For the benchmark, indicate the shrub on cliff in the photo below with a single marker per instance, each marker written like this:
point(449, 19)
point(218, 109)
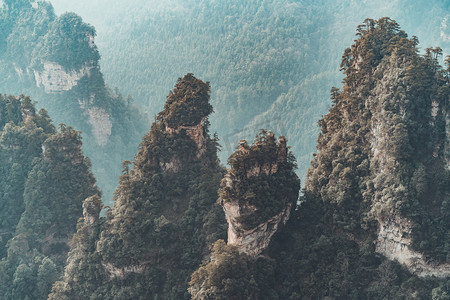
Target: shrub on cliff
point(261, 176)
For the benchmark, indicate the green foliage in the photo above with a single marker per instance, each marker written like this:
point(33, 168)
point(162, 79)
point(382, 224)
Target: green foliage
point(34, 37)
point(228, 275)
point(26, 27)
point(262, 176)
point(47, 274)
point(67, 42)
point(46, 178)
point(55, 189)
point(164, 216)
point(22, 134)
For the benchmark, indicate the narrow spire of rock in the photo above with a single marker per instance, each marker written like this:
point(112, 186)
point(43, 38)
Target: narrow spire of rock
point(258, 192)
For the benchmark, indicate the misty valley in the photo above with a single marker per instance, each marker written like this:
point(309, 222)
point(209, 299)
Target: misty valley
point(190, 149)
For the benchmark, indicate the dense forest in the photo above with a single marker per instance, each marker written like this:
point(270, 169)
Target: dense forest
point(164, 215)
point(262, 56)
point(370, 221)
point(45, 179)
point(56, 62)
point(373, 221)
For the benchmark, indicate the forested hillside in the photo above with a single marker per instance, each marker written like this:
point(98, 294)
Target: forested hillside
point(164, 216)
point(55, 60)
point(272, 62)
point(44, 179)
point(373, 222)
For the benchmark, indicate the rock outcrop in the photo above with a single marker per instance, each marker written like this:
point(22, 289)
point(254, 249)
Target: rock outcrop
point(196, 132)
point(116, 272)
point(91, 209)
point(255, 240)
point(394, 242)
point(382, 164)
point(101, 125)
point(255, 214)
point(55, 78)
point(99, 119)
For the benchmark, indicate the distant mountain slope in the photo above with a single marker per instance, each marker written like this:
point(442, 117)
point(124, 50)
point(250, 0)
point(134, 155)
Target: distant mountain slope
point(272, 62)
point(373, 222)
point(55, 60)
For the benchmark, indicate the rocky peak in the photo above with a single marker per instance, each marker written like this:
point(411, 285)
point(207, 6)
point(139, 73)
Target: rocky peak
point(187, 104)
point(186, 109)
point(258, 192)
point(381, 163)
point(184, 118)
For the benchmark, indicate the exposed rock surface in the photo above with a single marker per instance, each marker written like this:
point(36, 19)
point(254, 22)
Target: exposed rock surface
point(121, 272)
point(394, 232)
point(99, 119)
point(54, 78)
point(250, 227)
point(253, 241)
point(195, 132)
point(91, 209)
point(394, 243)
point(101, 125)
point(173, 166)
point(268, 169)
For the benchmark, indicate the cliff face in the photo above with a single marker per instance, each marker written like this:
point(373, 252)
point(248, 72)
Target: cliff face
point(101, 125)
point(255, 201)
point(54, 78)
point(255, 240)
point(390, 147)
point(382, 161)
point(394, 242)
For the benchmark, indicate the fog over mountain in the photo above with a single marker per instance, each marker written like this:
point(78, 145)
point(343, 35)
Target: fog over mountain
point(209, 149)
point(265, 58)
